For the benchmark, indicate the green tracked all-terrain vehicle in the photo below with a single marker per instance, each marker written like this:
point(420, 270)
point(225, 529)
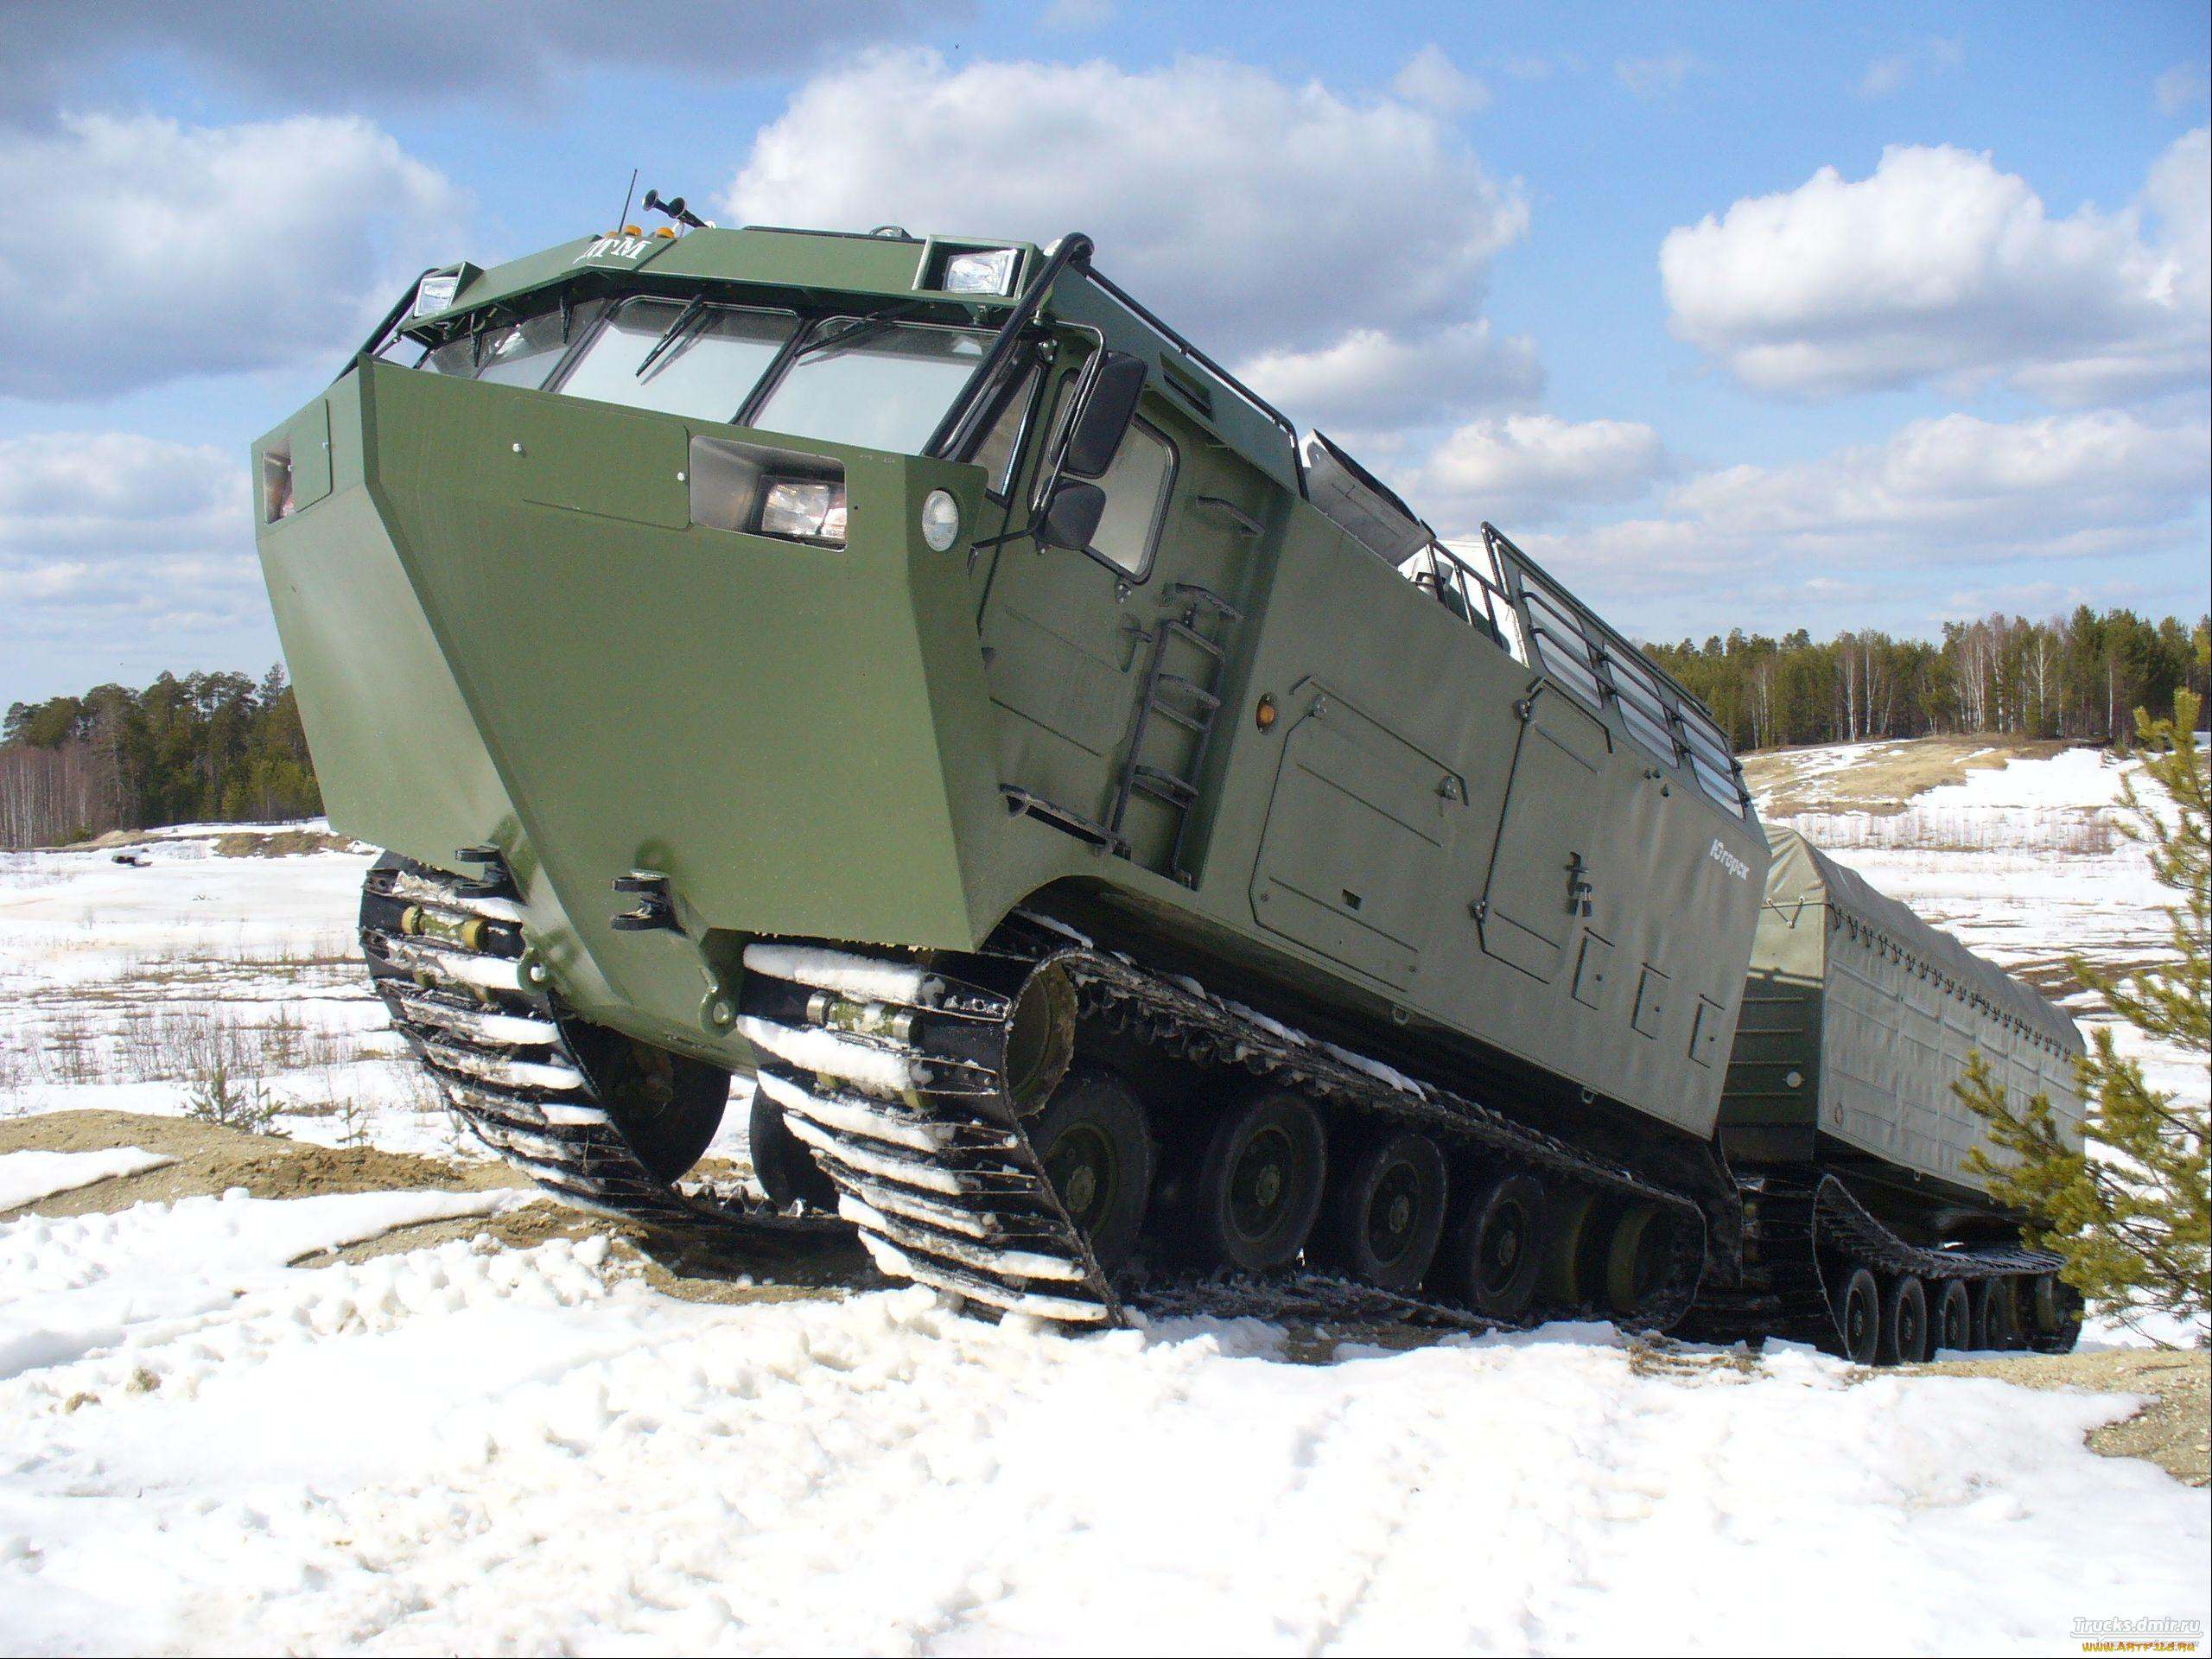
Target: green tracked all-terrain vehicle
point(1137, 861)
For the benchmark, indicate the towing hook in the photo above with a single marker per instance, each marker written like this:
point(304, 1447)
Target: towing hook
point(656, 907)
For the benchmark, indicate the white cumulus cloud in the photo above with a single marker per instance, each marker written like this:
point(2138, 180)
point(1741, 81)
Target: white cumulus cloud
point(1940, 267)
point(1254, 212)
point(213, 249)
point(1940, 502)
point(1886, 75)
point(1431, 79)
point(118, 494)
point(2056, 483)
point(122, 554)
point(2179, 88)
point(1372, 381)
point(336, 53)
point(1532, 468)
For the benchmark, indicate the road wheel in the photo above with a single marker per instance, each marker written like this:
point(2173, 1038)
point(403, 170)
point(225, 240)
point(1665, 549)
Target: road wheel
point(1857, 1307)
point(1953, 1323)
point(1496, 1246)
point(1092, 1139)
point(1636, 1258)
point(1565, 1278)
point(781, 1163)
point(667, 1106)
point(2039, 1308)
point(1904, 1322)
point(1384, 1212)
point(1260, 1183)
point(1999, 1316)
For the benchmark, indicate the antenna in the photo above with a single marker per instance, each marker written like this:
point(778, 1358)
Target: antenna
point(626, 194)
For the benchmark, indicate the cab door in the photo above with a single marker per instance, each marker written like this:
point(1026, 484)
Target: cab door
point(1105, 660)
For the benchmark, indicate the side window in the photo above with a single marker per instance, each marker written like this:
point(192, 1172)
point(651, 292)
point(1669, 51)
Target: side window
point(524, 355)
point(1136, 486)
point(1561, 648)
point(1488, 596)
point(516, 355)
point(996, 454)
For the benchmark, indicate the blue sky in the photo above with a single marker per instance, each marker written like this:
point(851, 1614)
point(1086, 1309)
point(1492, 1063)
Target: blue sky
point(1760, 316)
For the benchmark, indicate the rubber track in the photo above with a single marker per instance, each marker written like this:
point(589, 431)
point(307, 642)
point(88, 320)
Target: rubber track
point(459, 987)
point(1183, 1020)
point(1798, 1214)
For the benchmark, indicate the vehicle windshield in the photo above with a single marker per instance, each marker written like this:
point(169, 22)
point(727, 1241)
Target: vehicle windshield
point(876, 385)
point(701, 360)
point(872, 382)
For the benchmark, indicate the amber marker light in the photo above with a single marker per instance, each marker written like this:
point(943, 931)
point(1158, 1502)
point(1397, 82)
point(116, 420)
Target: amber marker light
point(1264, 716)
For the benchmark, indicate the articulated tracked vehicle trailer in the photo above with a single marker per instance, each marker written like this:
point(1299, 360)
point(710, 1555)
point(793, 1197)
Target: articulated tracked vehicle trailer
point(1136, 859)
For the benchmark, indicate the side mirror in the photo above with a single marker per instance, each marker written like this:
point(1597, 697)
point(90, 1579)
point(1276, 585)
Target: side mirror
point(1109, 403)
point(1072, 515)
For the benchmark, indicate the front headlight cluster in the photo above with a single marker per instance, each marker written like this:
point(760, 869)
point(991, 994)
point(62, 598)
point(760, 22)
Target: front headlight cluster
point(759, 490)
point(804, 509)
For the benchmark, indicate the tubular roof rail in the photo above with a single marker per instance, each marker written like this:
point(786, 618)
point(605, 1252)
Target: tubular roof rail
point(1136, 308)
point(1590, 620)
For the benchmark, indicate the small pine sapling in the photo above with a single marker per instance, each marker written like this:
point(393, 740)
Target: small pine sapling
point(2131, 1211)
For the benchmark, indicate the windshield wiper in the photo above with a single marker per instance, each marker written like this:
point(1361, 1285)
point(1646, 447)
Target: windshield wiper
point(859, 328)
point(683, 319)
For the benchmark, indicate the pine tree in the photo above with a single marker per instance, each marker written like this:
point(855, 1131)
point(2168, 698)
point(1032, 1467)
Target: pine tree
point(2131, 1211)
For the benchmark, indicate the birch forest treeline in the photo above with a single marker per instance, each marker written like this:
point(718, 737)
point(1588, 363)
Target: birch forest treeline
point(206, 748)
point(227, 747)
point(2082, 675)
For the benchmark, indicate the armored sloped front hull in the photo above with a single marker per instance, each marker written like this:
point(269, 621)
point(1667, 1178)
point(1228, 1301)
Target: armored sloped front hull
point(500, 638)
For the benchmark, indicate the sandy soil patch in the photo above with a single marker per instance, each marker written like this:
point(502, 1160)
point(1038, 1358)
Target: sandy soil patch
point(1883, 777)
point(2173, 1432)
point(214, 1159)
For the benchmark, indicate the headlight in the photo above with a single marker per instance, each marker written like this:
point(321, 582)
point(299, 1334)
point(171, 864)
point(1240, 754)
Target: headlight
point(940, 520)
point(436, 293)
point(805, 508)
point(979, 273)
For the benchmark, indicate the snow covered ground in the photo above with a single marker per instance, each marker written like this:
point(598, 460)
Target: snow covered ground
point(477, 1447)
point(126, 986)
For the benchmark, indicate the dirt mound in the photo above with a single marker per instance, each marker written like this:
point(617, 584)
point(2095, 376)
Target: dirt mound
point(282, 843)
point(211, 1159)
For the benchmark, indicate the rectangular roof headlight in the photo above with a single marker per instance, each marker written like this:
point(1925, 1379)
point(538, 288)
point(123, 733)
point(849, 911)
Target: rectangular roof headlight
point(988, 272)
point(436, 293)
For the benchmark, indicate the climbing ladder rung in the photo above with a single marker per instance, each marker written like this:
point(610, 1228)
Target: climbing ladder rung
point(1181, 792)
point(1184, 631)
point(1192, 689)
